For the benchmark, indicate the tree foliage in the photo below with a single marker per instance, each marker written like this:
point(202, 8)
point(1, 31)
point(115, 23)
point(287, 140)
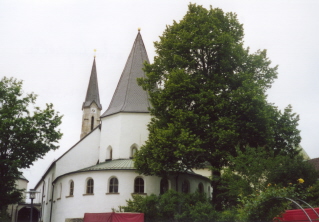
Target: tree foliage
point(254, 169)
point(26, 134)
point(208, 95)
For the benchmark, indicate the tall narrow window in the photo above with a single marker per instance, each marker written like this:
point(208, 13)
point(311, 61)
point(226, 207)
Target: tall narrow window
point(133, 152)
point(60, 191)
point(114, 185)
point(71, 188)
point(90, 186)
point(200, 188)
point(185, 186)
point(111, 153)
point(139, 185)
point(92, 122)
point(163, 186)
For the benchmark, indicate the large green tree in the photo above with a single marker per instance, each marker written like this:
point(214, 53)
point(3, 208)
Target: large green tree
point(26, 134)
point(208, 95)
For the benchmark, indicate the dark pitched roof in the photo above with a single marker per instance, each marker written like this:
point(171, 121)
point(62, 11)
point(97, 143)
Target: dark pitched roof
point(92, 94)
point(21, 177)
point(315, 163)
point(129, 96)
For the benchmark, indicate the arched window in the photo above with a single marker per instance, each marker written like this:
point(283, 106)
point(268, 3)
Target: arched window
point(138, 185)
point(185, 186)
point(92, 122)
point(163, 186)
point(71, 188)
point(200, 188)
point(90, 186)
point(109, 153)
point(133, 150)
point(114, 185)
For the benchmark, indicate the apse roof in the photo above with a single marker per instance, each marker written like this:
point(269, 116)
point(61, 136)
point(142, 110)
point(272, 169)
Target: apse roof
point(92, 94)
point(129, 96)
point(120, 164)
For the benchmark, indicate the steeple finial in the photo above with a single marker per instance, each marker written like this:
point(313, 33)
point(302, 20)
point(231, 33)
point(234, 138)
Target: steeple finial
point(94, 53)
point(139, 29)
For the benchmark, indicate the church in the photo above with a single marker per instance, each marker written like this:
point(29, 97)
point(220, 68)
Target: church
point(97, 174)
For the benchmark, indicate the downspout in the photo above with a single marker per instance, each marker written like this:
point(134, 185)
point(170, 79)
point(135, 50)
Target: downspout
point(42, 207)
point(52, 201)
point(16, 219)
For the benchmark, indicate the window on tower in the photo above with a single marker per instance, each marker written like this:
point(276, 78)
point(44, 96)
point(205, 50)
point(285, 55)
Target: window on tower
point(92, 122)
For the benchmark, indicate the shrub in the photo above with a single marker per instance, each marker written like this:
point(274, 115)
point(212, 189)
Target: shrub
point(172, 206)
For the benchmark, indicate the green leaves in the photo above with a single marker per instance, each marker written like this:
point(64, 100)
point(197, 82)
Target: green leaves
point(26, 134)
point(208, 97)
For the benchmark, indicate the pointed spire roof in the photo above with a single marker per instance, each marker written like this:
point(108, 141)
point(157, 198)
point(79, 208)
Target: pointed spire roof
point(129, 96)
point(92, 94)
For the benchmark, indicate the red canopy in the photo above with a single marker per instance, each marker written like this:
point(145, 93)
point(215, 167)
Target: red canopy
point(299, 215)
point(113, 217)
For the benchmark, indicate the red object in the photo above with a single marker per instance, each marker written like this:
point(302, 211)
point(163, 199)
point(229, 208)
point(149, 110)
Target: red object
point(113, 217)
point(299, 215)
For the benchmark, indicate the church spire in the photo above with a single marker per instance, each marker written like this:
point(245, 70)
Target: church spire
point(129, 96)
point(92, 94)
point(91, 106)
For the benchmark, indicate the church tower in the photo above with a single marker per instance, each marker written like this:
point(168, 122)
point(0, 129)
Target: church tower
point(91, 106)
point(128, 113)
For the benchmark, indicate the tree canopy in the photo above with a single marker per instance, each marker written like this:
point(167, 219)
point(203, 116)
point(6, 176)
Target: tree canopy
point(208, 96)
point(26, 134)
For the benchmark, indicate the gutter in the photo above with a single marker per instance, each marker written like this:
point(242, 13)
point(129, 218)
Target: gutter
point(52, 201)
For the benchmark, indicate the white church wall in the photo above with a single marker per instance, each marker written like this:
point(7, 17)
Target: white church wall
point(45, 195)
point(121, 131)
point(110, 136)
point(66, 206)
point(83, 154)
point(75, 206)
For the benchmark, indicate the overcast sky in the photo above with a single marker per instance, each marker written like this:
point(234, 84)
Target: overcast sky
point(49, 44)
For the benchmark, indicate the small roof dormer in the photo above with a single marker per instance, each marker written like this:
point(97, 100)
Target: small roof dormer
point(129, 96)
point(92, 94)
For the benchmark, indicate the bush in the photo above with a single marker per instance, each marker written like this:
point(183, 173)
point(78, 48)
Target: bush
point(270, 203)
point(173, 206)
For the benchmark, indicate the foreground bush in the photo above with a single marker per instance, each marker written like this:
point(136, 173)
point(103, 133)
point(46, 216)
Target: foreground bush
point(270, 203)
point(173, 206)
point(261, 205)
